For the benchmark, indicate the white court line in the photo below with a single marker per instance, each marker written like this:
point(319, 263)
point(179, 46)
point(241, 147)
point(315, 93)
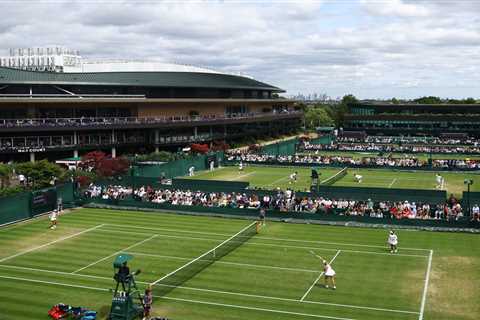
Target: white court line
point(178, 299)
point(57, 272)
point(318, 278)
point(293, 300)
point(278, 180)
point(50, 243)
point(226, 262)
point(201, 256)
point(393, 181)
point(217, 291)
point(159, 235)
point(256, 308)
point(425, 288)
point(260, 237)
point(115, 253)
point(242, 176)
point(55, 283)
point(290, 246)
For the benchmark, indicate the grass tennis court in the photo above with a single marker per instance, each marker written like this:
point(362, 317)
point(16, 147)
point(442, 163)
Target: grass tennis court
point(270, 276)
point(271, 177)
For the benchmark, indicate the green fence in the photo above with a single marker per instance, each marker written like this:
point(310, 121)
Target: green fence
point(322, 140)
point(179, 167)
point(473, 198)
point(26, 205)
point(15, 208)
point(283, 148)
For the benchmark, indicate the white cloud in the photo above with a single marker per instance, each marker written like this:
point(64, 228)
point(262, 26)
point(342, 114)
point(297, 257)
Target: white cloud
point(397, 8)
point(369, 48)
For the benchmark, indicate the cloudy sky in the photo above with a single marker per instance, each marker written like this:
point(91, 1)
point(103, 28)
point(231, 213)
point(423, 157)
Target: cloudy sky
point(371, 48)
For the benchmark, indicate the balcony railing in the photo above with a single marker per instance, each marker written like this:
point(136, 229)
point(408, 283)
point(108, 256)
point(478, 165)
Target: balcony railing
point(102, 121)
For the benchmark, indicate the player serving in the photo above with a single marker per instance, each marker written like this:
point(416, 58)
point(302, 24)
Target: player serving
point(328, 272)
point(393, 242)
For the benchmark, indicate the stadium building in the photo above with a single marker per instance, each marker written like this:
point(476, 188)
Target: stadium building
point(414, 119)
point(54, 105)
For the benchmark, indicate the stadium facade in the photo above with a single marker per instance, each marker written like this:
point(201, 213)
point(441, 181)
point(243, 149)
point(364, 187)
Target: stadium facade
point(62, 114)
point(414, 119)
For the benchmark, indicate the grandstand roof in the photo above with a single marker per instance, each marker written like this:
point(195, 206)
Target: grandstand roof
point(138, 79)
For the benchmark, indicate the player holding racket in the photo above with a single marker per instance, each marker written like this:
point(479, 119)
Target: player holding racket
point(328, 272)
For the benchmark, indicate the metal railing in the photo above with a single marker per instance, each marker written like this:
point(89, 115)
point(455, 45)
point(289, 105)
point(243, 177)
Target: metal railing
point(101, 121)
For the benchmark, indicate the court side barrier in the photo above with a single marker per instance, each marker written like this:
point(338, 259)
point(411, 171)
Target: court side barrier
point(473, 198)
point(177, 168)
point(26, 205)
point(282, 148)
point(305, 217)
point(327, 139)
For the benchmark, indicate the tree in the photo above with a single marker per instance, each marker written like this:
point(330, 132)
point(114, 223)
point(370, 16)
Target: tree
point(428, 100)
point(317, 117)
point(103, 165)
point(42, 173)
point(199, 148)
point(5, 173)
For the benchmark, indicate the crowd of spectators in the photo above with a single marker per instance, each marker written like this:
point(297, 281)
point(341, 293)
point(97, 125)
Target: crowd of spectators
point(465, 141)
point(386, 148)
point(388, 162)
point(284, 201)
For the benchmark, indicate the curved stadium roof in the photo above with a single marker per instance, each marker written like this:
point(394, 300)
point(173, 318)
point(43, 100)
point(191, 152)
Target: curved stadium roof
point(139, 79)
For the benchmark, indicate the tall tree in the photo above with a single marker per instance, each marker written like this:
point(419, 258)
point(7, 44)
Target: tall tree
point(318, 117)
point(42, 173)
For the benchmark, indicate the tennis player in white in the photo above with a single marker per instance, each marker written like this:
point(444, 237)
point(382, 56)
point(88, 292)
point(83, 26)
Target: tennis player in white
point(358, 178)
point(53, 219)
point(393, 242)
point(329, 275)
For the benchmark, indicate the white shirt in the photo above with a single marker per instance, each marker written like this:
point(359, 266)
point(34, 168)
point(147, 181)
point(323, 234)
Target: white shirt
point(53, 216)
point(393, 239)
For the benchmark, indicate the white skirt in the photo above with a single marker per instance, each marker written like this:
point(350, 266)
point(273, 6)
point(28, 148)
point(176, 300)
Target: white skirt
point(330, 273)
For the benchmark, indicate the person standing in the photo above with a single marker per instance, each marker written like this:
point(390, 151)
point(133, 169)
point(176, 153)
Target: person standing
point(147, 303)
point(53, 219)
point(329, 275)
point(393, 242)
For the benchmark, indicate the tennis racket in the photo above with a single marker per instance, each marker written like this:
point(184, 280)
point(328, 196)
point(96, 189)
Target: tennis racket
point(316, 255)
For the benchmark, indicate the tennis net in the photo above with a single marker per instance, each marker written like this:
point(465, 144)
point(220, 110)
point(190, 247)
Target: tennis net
point(337, 176)
point(175, 278)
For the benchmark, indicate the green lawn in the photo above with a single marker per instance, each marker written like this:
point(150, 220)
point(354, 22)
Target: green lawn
point(271, 177)
point(271, 276)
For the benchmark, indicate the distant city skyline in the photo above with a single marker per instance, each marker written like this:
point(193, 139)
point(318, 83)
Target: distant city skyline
point(373, 49)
